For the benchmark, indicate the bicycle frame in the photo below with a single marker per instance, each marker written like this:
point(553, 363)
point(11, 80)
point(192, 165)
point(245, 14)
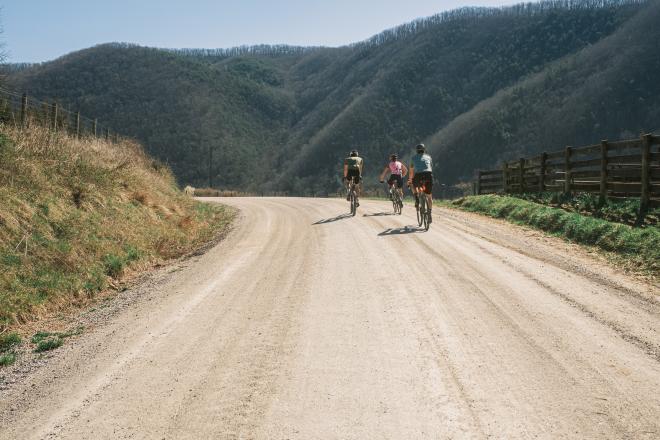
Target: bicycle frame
point(397, 201)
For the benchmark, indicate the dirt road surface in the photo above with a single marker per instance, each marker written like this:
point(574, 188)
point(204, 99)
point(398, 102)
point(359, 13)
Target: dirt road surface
point(307, 324)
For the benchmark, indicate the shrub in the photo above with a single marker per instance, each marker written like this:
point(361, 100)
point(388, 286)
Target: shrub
point(9, 341)
point(7, 359)
point(49, 343)
point(114, 265)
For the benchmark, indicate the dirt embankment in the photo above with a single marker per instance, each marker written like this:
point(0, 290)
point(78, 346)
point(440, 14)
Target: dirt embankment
point(78, 215)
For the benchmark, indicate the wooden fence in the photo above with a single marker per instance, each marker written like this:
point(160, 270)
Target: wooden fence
point(23, 110)
point(613, 170)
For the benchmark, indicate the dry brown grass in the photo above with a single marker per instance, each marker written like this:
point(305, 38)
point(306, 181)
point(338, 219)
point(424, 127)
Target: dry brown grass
point(210, 192)
point(77, 214)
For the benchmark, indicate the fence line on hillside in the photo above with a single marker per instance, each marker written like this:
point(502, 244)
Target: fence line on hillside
point(23, 110)
point(613, 170)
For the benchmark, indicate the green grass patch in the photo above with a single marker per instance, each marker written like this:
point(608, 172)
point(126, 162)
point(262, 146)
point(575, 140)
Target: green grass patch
point(7, 359)
point(618, 211)
point(7, 344)
point(49, 343)
point(638, 246)
point(9, 341)
point(114, 265)
point(46, 341)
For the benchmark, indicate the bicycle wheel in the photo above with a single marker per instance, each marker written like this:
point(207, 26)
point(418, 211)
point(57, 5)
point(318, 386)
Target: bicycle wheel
point(397, 203)
point(427, 218)
point(353, 205)
point(420, 211)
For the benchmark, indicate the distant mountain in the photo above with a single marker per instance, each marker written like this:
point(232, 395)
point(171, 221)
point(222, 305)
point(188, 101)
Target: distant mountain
point(476, 84)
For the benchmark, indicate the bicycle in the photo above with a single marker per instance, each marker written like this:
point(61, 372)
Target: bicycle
point(352, 196)
point(423, 211)
point(395, 197)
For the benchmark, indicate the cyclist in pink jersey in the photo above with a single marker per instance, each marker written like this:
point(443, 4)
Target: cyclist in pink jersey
point(397, 172)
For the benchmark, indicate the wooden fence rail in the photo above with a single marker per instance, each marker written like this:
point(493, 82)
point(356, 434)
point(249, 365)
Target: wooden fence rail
point(613, 170)
point(23, 110)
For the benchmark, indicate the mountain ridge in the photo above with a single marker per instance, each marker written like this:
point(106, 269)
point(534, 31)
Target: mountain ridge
point(285, 122)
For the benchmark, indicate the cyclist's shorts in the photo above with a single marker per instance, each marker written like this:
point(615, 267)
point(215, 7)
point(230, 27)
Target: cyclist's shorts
point(396, 178)
point(355, 174)
point(424, 179)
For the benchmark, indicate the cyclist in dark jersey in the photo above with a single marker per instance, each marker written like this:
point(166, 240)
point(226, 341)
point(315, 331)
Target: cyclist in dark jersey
point(353, 166)
point(421, 175)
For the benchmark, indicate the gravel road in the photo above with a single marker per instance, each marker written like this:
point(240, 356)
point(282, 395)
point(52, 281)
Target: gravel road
point(306, 324)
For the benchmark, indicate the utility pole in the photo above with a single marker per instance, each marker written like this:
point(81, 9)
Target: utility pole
point(210, 166)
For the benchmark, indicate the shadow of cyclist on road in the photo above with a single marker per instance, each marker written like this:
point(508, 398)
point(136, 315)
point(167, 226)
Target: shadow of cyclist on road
point(333, 219)
point(378, 214)
point(401, 231)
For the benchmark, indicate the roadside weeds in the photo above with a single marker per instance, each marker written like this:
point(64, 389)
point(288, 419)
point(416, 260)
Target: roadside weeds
point(635, 249)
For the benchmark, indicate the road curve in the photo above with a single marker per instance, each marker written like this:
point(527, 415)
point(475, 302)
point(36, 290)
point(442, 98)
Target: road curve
point(307, 324)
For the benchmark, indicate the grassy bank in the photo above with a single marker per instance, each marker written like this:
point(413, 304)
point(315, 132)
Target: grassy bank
point(620, 211)
point(635, 247)
point(77, 215)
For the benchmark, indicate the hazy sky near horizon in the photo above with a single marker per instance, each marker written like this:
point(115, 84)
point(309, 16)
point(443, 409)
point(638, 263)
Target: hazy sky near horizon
point(41, 30)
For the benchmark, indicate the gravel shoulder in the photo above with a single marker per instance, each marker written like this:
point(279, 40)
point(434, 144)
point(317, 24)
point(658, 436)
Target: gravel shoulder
point(304, 323)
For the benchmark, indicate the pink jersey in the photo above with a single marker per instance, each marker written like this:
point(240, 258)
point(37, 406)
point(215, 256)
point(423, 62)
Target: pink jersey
point(396, 168)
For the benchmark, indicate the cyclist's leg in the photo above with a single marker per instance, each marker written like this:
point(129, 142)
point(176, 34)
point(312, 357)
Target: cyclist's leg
point(428, 187)
point(416, 190)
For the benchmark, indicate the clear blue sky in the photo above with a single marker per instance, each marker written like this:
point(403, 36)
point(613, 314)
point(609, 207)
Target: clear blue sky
point(40, 30)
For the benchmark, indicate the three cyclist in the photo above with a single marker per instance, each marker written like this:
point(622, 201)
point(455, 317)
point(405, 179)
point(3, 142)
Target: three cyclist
point(397, 172)
point(353, 166)
point(421, 176)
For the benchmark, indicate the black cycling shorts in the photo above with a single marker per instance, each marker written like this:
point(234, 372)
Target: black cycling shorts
point(424, 179)
point(355, 174)
point(396, 178)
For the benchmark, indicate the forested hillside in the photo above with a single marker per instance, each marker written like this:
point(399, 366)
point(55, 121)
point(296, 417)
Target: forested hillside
point(475, 84)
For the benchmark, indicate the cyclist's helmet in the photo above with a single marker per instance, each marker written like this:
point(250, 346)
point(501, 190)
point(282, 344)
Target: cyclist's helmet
point(420, 148)
point(354, 153)
point(394, 157)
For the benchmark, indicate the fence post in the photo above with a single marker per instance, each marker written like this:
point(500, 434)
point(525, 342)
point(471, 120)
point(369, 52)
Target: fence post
point(522, 175)
point(24, 107)
point(646, 168)
point(45, 114)
point(542, 171)
point(567, 170)
point(94, 126)
point(478, 182)
point(603, 171)
point(78, 124)
point(505, 177)
point(53, 117)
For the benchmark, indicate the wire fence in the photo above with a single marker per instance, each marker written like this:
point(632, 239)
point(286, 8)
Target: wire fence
point(23, 110)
